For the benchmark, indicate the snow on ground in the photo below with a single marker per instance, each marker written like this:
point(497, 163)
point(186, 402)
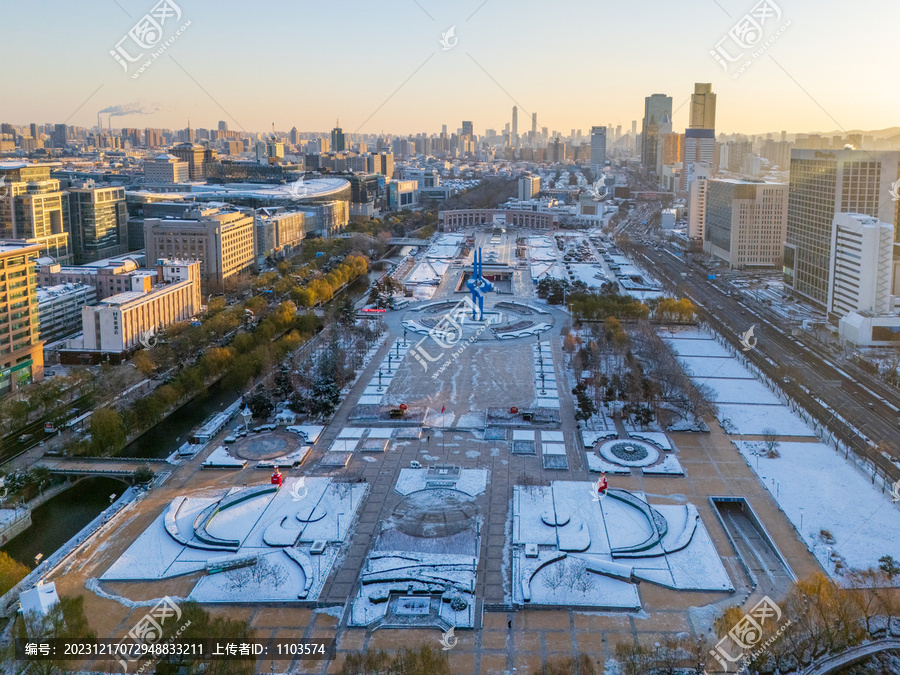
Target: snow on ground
point(575, 528)
point(738, 391)
point(596, 463)
point(691, 346)
point(482, 371)
point(831, 496)
point(310, 432)
point(754, 419)
point(701, 366)
point(304, 510)
point(669, 466)
point(591, 275)
point(471, 481)
point(658, 438)
point(745, 405)
point(220, 459)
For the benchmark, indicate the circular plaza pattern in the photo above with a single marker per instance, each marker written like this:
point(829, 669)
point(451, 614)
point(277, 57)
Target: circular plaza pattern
point(435, 512)
point(265, 446)
point(629, 452)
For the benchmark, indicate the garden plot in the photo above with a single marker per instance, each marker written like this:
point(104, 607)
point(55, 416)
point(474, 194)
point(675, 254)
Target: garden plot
point(703, 366)
point(752, 392)
point(571, 548)
point(831, 497)
point(748, 420)
point(745, 406)
point(265, 534)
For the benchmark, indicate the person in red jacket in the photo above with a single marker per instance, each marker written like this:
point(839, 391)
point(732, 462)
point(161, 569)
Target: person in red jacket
point(277, 477)
point(602, 484)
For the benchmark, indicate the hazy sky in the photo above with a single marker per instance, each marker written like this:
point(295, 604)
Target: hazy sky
point(576, 63)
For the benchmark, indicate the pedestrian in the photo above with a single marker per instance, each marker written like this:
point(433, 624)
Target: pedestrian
point(509, 624)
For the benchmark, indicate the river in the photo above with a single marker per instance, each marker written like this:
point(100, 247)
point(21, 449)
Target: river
point(59, 519)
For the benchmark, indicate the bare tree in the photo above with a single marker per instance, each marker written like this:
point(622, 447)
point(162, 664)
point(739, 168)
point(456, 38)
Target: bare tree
point(770, 438)
point(580, 578)
point(555, 575)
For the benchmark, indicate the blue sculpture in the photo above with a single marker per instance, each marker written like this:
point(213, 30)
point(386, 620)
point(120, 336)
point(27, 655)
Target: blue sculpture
point(478, 286)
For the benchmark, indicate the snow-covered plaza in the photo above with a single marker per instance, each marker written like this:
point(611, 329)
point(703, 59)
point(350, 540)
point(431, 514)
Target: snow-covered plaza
point(254, 544)
point(576, 547)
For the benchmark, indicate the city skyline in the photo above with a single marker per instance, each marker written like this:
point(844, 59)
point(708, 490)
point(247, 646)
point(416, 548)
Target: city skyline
point(477, 73)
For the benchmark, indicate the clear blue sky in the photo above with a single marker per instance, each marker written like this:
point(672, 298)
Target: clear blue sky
point(574, 62)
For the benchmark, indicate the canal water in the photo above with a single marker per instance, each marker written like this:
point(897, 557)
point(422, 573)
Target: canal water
point(60, 518)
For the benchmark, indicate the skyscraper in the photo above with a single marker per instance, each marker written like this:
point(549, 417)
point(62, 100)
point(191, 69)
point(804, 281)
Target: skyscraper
point(338, 143)
point(533, 130)
point(467, 128)
point(703, 107)
point(515, 127)
point(598, 148)
point(22, 358)
point(98, 221)
point(822, 185)
point(36, 210)
point(223, 125)
point(700, 136)
point(655, 107)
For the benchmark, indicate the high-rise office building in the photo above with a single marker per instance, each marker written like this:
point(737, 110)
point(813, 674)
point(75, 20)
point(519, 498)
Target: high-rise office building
point(700, 136)
point(822, 185)
point(861, 270)
point(98, 221)
point(533, 130)
point(35, 209)
point(745, 222)
point(166, 168)
point(655, 108)
point(223, 125)
point(703, 107)
point(224, 240)
point(598, 148)
point(196, 156)
point(467, 129)
point(295, 136)
point(515, 127)
point(338, 142)
point(21, 350)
